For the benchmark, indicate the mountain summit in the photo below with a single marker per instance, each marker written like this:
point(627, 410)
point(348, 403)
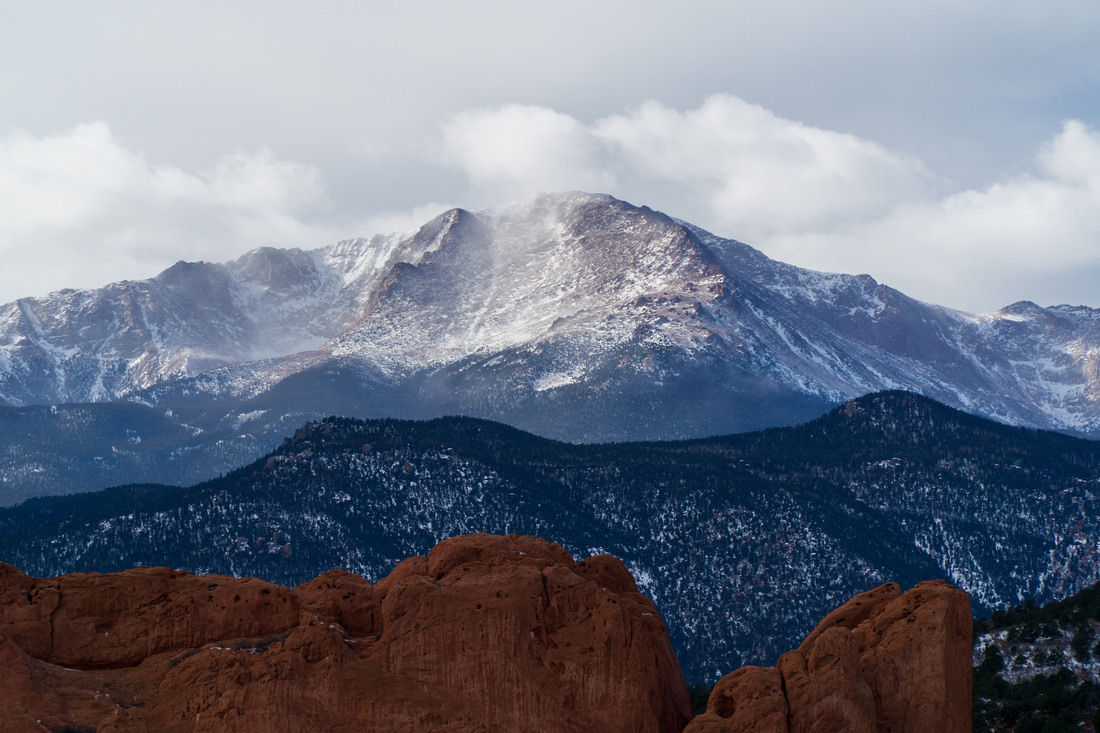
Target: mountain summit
point(576, 316)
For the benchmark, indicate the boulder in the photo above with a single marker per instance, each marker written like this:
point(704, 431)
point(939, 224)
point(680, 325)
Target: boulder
point(883, 662)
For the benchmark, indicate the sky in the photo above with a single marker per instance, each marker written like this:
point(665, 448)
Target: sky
point(949, 149)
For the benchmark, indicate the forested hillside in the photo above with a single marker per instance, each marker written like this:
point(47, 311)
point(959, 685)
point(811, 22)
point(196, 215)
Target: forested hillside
point(743, 541)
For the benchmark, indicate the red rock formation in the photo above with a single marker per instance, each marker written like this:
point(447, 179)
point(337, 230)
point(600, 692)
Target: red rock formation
point(486, 633)
point(884, 661)
point(750, 699)
point(91, 620)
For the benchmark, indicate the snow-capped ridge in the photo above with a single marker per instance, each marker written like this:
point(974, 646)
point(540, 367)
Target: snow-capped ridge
point(561, 294)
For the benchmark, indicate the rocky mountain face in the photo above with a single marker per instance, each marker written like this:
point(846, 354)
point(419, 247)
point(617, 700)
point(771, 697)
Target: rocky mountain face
point(485, 633)
point(781, 525)
point(884, 661)
point(574, 316)
point(77, 346)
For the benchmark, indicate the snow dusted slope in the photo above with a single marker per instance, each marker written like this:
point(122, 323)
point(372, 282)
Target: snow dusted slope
point(95, 345)
point(585, 295)
point(590, 271)
point(1023, 365)
point(572, 315)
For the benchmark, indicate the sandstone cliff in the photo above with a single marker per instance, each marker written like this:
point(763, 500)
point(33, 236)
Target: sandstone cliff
point(487, 633)
point(884, 662)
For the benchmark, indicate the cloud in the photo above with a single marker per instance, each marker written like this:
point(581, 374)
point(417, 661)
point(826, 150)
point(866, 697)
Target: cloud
point(387, 222)
point(96, 211)
point(514, 150)
point(1034, 235)
point(759, 173)
point(80, 209)
point(815, 197)
point(737, 164)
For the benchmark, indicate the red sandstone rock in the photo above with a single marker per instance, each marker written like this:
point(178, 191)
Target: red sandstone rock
point(22, 703)
point(486, 633)
point(854, 612)
point(826, 690)
point(344, 597)
point(92, 620)
point(918, 660)
point(883, 662)
point(607, 571)
point(749, 700)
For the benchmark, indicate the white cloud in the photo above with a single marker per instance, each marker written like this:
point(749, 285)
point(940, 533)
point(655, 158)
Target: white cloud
point(1032, 236)
point(410, 220)
point(516, 149)
point(759, 173)
point(816, 197)
point(81, 209)
point(733, 163)
point(95, 211)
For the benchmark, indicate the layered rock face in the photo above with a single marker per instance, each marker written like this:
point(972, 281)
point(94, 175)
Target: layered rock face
point(885, 662)
point(486, 633)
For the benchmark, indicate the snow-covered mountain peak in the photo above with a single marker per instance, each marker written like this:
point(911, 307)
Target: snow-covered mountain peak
point(512, 275)
point(505, 310)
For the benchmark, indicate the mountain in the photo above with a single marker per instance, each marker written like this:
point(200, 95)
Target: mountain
point(106, 344)
point(743, 541)
point(575, 316)
point(1037, 667)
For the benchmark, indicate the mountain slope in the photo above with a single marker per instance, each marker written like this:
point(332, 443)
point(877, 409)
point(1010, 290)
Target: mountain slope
point(96, 345)
point(575, 316)
point(1038, 667)
point(742, 541)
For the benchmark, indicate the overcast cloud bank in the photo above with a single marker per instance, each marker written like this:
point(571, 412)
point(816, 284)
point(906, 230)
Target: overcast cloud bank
point(813, 197)
point(96, 211)
point(818, 198)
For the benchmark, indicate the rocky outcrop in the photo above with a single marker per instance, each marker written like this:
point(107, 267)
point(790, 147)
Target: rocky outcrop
point(884, 662)
point(89, 620)
point(486, 633)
